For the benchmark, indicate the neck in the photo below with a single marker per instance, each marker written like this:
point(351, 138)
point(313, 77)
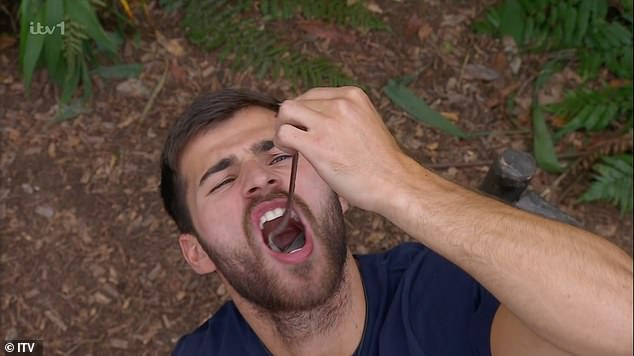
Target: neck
point(333, 328)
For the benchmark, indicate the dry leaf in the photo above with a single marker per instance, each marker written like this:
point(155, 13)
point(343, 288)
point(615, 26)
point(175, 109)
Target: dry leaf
point(413, 24)
point(515, 65)
point(523, 102)
point(329, 32)
point(453, 20)
point(177, 72)
point(618, 83)
point(374, 7)
point(572, 76)
point(451, 116)
point(51, 150)
point(501, 95)
point(478, 71)
point(130, 119)
point(499, 62)
point(559, 121)
point(133, 88)
point(171, 45)
point(432, 146)
point(424, 31)
point(14, 135)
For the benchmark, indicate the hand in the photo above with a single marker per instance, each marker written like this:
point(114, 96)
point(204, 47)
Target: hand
point(341, 134)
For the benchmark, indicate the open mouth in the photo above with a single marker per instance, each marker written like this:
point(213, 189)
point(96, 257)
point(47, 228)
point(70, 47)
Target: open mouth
point(291, 240)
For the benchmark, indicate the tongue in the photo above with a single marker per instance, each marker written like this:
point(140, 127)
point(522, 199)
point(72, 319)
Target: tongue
point(286, 237)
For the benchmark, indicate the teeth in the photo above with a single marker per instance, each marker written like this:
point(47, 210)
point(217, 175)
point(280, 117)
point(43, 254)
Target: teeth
point(297, 244)
point(271, 215)
point(273, 246)
point(274, 214)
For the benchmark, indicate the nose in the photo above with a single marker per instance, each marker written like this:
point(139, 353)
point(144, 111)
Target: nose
point(259, 179)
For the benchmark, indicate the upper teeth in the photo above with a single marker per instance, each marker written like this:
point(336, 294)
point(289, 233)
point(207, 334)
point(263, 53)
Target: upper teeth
point(272, 215)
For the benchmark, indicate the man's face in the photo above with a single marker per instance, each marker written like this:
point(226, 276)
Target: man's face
point(236, 179)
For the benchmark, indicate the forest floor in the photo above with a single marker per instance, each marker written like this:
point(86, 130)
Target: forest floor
point(89, 259)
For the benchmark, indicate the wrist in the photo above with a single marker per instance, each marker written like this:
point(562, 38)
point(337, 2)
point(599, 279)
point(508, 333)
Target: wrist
point(417, 190)
point(403, 187)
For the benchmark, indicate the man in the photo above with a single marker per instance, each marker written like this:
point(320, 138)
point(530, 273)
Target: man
point(225, 173)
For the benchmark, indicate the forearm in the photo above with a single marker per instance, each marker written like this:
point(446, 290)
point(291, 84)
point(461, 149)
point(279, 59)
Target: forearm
point(570, 286)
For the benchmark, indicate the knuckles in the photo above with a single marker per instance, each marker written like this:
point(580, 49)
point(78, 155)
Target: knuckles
point(354, 93)
point(285, 107)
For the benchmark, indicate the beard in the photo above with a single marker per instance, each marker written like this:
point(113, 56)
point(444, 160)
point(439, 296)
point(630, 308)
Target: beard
point(244, 268)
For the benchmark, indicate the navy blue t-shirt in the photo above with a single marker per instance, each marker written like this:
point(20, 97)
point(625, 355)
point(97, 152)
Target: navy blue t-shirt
point(418, 303)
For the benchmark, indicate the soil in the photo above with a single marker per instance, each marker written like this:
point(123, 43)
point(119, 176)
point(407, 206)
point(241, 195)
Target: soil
point(89, 260)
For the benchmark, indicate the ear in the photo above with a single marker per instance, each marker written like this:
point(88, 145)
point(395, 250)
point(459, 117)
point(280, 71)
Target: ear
point(344, 204)
point(195, 255)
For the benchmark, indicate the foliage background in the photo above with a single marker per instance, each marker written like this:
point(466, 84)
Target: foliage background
point(89, 261)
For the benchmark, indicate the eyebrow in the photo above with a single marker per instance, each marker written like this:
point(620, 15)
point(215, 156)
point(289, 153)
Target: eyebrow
point(224, 163)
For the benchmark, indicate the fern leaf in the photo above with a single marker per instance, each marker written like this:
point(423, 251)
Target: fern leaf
point(247, 45)
point(593, 110)
point(613, 182)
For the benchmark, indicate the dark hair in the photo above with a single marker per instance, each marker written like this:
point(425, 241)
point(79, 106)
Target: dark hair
point(197, 119)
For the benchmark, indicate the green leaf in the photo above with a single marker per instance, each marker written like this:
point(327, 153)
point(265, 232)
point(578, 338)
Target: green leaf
point(543, 147)
point(53, 43)
point(70, 110)
point(87, 80)
point(570, 21)
point(512, 21)
point(417, 108)
point(613, 183)
point(28, 12)
point(549, 69)
point(58, 74)
point(119, 71)
point(583, 19)
point(82, 12)
point(70, 82)
point(245, 43)
point(32, 50)
point(592, 122)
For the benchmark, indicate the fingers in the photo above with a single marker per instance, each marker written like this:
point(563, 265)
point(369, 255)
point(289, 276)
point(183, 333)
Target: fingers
point(333, 93)
point(294, 120)
point(290, 139)
point(296, 113)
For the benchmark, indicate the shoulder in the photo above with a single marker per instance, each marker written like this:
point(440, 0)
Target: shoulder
point(421, 303)
point(397, 258)
point(392, 265)
point(419, 270)
point(225, 333)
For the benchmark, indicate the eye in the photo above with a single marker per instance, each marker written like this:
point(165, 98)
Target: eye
point(280, 158)
point(226, 181)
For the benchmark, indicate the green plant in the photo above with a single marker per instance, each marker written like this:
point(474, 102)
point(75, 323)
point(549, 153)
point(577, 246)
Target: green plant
point(64, 37)
point(594, 110)
point(613, 182)
point(243, 38)
point(593, 36)
point(397, 91)
point(583, 25)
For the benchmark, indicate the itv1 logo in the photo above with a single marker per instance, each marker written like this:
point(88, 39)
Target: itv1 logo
point(39, 29)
